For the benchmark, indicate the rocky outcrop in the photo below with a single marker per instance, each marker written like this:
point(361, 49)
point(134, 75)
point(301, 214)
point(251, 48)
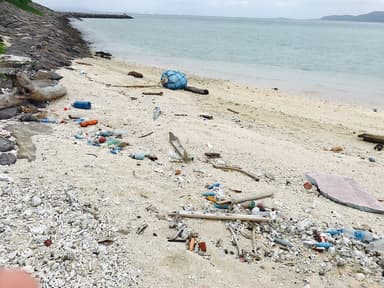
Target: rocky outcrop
point(49, 40)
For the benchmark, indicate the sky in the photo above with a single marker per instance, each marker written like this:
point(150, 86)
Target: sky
point(302, 9)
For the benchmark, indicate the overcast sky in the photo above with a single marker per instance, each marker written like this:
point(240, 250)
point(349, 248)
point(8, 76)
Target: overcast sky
point(248, 8)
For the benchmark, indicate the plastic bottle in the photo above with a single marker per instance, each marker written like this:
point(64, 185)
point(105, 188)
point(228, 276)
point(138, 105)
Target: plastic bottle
point(360, 235)
point(376, 245)
point(48, 120)
point(82, 105)
point(137, 156)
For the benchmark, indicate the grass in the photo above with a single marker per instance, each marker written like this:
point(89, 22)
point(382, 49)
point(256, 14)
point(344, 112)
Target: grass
point(2, 48)
point(25, 5)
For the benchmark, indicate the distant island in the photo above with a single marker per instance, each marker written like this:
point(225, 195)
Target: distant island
point(377, 16)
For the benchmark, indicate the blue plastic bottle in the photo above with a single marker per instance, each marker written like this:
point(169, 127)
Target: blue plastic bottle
point(82, 105)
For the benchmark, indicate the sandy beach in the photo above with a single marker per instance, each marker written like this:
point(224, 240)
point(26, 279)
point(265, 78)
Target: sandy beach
point(277, 136)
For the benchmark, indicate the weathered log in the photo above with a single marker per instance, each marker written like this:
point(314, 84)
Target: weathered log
point(239, 217)
point(196, 90)
point(136, 74)
point(372, 138)
point(39, 93)
point(11, 99)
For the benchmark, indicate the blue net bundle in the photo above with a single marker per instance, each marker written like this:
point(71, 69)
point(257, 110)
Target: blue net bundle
point(174, 80)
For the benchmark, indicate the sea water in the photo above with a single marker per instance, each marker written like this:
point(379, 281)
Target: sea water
point(330, 60)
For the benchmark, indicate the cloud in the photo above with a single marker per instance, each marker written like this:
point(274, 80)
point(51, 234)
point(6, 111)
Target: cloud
point(249, 8)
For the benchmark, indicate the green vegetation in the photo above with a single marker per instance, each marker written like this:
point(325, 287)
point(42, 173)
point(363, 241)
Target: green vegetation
point(2, 48)
point(25, 5)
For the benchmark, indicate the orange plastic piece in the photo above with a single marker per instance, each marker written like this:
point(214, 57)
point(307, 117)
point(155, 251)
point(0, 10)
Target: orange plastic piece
point(89, 123)
point(191, 247)
point(212, 199)
point(308, 186)
point(203, 246)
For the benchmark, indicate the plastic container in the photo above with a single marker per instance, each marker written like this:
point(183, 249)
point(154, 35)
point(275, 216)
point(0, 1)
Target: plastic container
point(86, 105)
point(214, 185)
point(89, 123)
point(364, 236)
point(137, 156)
point(376, 245)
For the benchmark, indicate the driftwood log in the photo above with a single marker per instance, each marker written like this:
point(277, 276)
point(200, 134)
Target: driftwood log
point(37, 90)
point(40, 90)
point(372, 138)
point(196, 90)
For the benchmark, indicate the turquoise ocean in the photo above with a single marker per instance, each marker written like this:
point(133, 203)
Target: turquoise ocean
point(341, 61)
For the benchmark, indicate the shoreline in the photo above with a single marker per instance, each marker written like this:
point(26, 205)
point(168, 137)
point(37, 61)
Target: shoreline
point(338, 85)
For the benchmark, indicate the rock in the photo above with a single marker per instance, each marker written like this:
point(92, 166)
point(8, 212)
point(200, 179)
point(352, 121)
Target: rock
point(7, 159)
point(28, 118)
point(8, 113)
point(360, 276)
point(46, 75)
point(36, 201)
point(6, 145)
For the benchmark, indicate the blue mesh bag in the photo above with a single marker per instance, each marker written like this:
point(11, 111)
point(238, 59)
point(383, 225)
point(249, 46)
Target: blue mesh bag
point(173, 80)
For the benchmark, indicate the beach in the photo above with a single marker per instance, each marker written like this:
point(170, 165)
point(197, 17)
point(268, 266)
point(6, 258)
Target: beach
point(277, 136)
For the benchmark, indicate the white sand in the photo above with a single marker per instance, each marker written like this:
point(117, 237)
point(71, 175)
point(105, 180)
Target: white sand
point(281, 134)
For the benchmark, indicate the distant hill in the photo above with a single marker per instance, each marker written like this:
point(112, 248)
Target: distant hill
point(377, 16)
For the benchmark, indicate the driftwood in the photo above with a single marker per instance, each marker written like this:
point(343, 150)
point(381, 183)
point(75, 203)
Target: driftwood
point(372, 138)
point(153, 93)
point(233, 111)
point(135, 86)
point(136, 74)
point(240, 217)
point(11, 99)
point(239, 251)
point(175, 142)
point(246, 199)
point(38, 91)
point(196, 90)
point(238, 169)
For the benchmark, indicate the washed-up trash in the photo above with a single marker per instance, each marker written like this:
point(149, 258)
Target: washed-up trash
point(337, 149)
point(152, 93)
point(137, 156)
point(308, 186)
point(175, 142)
point(86, 105)
point(136, 74)
point(283, 242)
point(49, 120)
point(174, 80)
point(238, 169)
point(89, 123)
point(206, 116)
point(140, 230)
point(345, 191)
point(246, 199)
point(212, 155)
point(361, 235)
point(240, 217)
point(156, 113)
point(372, 160)
point(376, 245)
point(379, 147)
